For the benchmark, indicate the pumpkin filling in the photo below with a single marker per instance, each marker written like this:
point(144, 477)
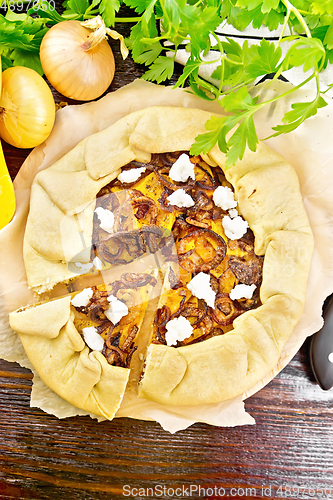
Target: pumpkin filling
point(113, 314)
point(190, 239)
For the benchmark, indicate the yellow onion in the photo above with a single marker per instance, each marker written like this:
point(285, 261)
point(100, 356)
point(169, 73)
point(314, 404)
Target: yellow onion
point(77, 59)
point(27, 108)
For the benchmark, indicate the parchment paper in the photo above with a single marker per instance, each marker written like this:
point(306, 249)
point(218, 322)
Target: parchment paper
point(308, 149)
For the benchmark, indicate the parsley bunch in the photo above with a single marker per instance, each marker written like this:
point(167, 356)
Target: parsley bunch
point(189, 23)
point(192, 23)
point(20, 39)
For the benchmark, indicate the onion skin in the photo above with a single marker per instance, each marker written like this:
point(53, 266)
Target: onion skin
point(27, 108)
point(75, 71)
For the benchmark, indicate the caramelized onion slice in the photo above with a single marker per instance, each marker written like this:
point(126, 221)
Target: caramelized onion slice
point(247, 271)
point(162, 316)
point(197, 223)
point(119, 360)
point(129, 356)
point(220, 251)
point(136, 280)
point(225, 310)
point(104, 250)
point(212, 181)
point(194, 312)
point(139, 204)
point(203, 321)
point(202, 202)
point(130, 337)
point(173, 185)
point(107, 199)
point(135, 242)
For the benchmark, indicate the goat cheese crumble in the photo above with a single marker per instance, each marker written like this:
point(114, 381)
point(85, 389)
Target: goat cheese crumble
point(82, 298)
point(233, 212)
point(234, 228)
point(178, 329)
point(117, 309)
point(98, 263)
point(201, 288)
point(84, 267)
point(106, 219)
point(242, 292)
point(92, 338)
point(223, 197)
point(180, 198)
point(182, 169)
point(132, 175)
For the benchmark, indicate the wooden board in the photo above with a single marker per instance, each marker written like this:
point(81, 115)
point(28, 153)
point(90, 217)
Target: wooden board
point(287, 454)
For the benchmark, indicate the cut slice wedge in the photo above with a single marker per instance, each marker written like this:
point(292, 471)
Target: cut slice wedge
point(51, 334)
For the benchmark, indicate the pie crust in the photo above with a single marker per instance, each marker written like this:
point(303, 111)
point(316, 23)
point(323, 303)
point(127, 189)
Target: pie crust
point(63, 199)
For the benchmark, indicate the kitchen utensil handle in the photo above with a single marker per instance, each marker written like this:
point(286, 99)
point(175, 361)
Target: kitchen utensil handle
point(321, 349)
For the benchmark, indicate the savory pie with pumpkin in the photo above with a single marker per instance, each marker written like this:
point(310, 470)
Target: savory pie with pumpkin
point(233, 279)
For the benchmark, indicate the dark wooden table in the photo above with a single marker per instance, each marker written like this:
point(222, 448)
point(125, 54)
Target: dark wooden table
point(287, 454)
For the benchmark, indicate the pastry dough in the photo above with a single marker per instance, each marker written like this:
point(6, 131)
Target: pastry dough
point(59, 229)
point(63, 361)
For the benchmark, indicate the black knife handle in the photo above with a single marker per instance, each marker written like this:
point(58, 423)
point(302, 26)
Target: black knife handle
point(321, 349)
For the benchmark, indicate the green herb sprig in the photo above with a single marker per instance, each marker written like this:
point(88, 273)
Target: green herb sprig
point(192, 24)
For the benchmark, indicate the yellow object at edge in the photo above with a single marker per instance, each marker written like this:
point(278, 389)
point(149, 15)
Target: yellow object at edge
point(7, 196)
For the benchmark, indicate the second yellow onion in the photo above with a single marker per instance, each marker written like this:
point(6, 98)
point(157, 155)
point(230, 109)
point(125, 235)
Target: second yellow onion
point(27, 109)
point(77, 61)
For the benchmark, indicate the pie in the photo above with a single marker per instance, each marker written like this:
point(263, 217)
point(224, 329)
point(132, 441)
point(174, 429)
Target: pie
point(139, 229)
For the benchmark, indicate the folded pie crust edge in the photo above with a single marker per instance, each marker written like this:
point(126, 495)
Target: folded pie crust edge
point(63, 361)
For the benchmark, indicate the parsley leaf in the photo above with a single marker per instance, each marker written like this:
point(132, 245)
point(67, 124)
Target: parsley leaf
point(108, 9)
point(322, 7)
point(245, 135)
point(20, 39)
point(191, 68)
point(75, 9)
point(306, 52)
point(268, 5)
point(328, 40)
point(299, 113)
point(238, 101)
point(139, 7)
point(148, 53)
point(266, 61)
point(27, 59)
point(205, 142)
point(144, 53)
point(160, 70)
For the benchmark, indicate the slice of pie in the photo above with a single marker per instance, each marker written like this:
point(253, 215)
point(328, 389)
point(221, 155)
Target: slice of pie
point(82, 345)
point(232, 247)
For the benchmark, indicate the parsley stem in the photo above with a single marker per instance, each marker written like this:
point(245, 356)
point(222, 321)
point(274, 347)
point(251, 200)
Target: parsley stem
point(258, 106)
point(296, 87)
point(317, 84)
point(305, 12)
point(226, 58)
point(89, 13)
point(127, 19)
point(299, 16)
point(215, 61)
point(285, 24)
point(219, 43)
